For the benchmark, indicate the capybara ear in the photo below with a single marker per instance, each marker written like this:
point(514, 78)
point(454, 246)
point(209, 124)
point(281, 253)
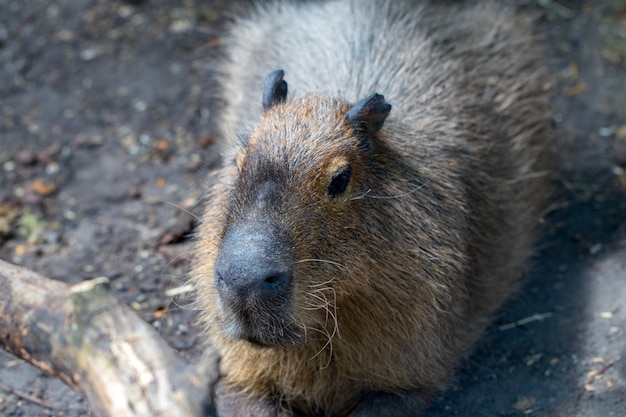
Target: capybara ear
point(274, 89)
point(370, 112)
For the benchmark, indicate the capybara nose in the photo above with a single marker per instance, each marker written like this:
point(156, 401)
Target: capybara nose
point(253, 264)
point(251, 278)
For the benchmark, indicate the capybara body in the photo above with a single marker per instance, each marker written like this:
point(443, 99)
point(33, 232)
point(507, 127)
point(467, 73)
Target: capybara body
point(355, 244)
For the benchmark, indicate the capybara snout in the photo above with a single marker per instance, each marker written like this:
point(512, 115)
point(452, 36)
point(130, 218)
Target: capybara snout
point(253, 276)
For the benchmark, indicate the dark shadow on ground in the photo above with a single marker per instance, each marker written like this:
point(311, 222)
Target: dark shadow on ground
point(531, 367)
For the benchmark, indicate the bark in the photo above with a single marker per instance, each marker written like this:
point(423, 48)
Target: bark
point(100, 348)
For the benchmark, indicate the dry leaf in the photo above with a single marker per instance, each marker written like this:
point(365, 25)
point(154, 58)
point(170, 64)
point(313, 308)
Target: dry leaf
point(7, 214)
point(43, 187)
point(158, 314)
point(575, 90)
point(524, 403)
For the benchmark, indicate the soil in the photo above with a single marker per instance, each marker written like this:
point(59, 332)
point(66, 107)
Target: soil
point(106, 137)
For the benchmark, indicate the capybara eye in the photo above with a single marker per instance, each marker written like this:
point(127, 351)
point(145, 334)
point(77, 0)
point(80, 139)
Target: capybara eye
point(340, 181)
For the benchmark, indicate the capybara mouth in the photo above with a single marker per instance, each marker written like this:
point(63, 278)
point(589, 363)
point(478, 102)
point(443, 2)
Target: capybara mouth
point(261, 325)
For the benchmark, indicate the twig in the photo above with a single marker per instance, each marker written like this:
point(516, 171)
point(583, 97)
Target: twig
point(25, 396)
point(524, 321)
point(591, 380)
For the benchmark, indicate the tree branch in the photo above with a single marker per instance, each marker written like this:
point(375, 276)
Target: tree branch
point(99, 347)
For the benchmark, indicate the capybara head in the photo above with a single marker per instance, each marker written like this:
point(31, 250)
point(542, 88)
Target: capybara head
point(291, 215)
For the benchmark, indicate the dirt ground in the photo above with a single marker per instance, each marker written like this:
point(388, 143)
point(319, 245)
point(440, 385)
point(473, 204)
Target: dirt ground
point(106, 137)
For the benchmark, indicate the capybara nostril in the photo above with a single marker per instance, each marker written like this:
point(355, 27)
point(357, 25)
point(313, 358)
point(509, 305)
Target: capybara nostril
point(253, 281)
point(275, 283)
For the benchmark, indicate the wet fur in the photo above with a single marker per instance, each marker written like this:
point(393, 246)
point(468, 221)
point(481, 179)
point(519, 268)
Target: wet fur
point(395, 279)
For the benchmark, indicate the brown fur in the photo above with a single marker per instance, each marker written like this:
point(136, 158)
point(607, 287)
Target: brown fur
point(395, 279)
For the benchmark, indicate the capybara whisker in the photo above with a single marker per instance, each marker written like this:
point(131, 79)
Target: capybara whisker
point(360, 196)
point(399, 195)
point(322, 261)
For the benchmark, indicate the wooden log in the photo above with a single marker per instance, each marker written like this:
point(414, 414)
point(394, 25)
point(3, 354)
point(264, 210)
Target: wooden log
point(100, 348)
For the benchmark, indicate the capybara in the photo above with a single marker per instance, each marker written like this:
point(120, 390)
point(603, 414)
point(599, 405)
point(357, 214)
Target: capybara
point(384, 176)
